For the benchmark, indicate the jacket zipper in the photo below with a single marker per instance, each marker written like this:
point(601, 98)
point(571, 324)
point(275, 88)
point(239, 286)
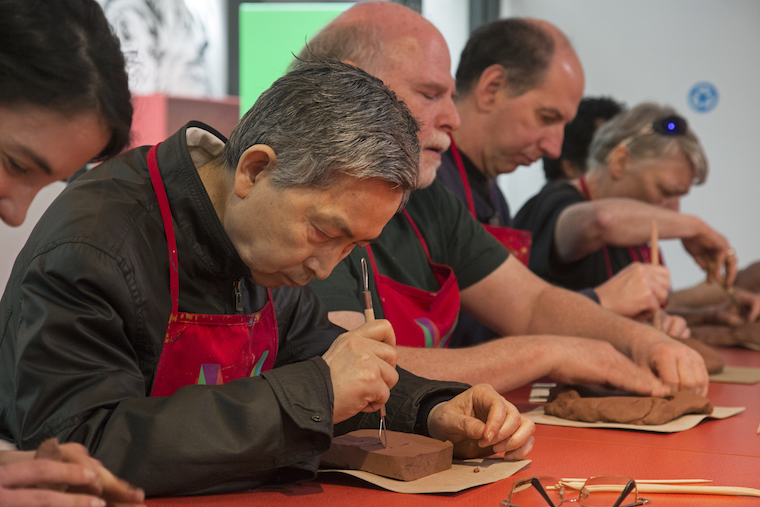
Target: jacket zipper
point(238, 296)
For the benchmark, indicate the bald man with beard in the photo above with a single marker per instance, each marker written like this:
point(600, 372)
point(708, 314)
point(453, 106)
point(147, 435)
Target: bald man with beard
point(433, 258)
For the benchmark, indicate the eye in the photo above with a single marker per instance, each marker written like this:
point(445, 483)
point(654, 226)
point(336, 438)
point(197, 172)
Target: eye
point(14, 166)
point(319, 235)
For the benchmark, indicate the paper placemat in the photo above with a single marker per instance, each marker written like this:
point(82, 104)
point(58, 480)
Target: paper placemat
point(459, 477)
point(685, 422)
point(737, 375)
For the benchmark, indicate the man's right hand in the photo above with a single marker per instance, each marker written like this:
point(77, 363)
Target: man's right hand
point(587, 361)
point(362, 368)
point(636, 289)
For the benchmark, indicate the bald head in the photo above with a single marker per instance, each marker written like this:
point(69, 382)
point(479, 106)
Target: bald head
point(366, 35)
point(409, 55)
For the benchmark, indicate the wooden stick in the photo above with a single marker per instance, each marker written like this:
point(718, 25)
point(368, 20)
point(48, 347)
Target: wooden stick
point(698, 490)
point(651, 481)
point(644, 487)
point(655, 260)
point(758, 430)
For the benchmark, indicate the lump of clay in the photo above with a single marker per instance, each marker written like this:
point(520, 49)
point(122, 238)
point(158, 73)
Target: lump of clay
point(408, 457)
point(747, 335)
point(627, 409)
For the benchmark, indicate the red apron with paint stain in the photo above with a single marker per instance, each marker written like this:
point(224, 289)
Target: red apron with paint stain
point(641, 253)
point(516, 241)
point(207, 349)
point(419, 318)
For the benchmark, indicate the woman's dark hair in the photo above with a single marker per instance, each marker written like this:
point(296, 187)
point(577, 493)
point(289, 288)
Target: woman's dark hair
point(62, 55)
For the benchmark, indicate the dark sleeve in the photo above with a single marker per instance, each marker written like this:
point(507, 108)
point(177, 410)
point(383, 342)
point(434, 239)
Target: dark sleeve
point(302, 323)
point(591, 294)
point(411, 400)
point(453, 237)
point(341, 291)
point(539, 216)
point(78, 377)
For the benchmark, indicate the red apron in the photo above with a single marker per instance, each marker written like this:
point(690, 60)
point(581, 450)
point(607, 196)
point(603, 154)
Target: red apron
point(207, 349)
point(516, 241)
point(641, 253)
point(420, 318)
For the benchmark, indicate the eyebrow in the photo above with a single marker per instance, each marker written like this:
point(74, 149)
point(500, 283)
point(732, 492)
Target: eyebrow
point(340, 224)
point(41, 162)
point(552, 110)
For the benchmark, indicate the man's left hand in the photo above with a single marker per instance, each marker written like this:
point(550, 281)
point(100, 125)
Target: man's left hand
point(676, 365)
point(480, 422)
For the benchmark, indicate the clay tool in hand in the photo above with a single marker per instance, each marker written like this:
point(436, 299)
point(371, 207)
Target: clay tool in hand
point(655, 258)
point(369, 315)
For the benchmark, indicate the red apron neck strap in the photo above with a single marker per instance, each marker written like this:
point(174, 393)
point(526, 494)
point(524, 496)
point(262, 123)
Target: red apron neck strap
point(417, 232)
point(166, 217)
point(584, 188)
point(463, 175)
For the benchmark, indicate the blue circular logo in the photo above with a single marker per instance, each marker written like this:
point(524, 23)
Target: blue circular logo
point(703, 97)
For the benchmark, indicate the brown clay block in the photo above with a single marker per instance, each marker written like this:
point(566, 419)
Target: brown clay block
point(408, 457)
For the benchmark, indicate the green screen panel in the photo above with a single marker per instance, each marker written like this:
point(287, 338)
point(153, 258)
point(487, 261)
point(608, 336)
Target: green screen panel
point(270, 34)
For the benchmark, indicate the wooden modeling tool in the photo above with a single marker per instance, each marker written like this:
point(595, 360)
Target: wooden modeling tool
point(655, 259)
point(369, 315)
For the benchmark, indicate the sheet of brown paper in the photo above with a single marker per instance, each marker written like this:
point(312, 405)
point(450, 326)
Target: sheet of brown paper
point(459, 477)
point(685, 422)
point(737, 375)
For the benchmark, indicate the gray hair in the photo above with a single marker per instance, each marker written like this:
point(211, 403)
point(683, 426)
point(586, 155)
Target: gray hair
point(327, 119)
point(632, 127)
point(360, 43)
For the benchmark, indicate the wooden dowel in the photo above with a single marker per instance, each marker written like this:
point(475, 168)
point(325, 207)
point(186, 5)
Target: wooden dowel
point(655, 260)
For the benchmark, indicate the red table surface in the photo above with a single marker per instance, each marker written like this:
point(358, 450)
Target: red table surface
point(727, 451)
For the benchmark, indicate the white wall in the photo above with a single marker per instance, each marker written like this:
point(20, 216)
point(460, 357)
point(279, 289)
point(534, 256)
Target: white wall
point(452, 19)
point(12, 239)
point(657, 50)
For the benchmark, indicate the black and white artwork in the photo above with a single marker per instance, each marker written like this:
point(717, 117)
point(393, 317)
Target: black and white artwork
point(177, 47)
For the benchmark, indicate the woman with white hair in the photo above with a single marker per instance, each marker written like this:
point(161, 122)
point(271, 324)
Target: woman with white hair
point(591, 228)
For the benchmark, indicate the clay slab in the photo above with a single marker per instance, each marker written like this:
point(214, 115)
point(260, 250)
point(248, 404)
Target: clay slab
point(408, 457)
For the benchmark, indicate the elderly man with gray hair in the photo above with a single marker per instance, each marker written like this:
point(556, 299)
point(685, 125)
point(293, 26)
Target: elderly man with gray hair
point(640, 164)
point(157, 315)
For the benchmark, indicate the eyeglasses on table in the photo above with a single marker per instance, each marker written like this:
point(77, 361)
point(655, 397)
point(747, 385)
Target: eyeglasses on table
point(599, 491)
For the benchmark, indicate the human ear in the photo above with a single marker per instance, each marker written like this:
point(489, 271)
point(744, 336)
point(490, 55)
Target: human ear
point(618, 160)
point(253, 164)
point(569, 169)
point(491, 82)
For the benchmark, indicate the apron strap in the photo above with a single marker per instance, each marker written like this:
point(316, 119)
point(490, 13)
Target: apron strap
point(166, 217)
point(419, 237)
point(463, 175)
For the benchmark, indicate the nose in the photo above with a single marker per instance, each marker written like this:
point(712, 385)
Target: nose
point(672, 203)
point(323, 264)
point(551, 143)
point(13, 208)
point(448, 119)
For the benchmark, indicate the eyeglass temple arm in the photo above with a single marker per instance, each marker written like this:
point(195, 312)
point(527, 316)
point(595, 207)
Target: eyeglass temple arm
point(628, 488)
point(537, 484)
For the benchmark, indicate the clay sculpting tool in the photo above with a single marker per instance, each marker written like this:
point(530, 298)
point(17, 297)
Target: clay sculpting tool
point(655, 258)
point(369, 315)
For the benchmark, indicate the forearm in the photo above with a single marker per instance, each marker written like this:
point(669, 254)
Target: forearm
point(505, 363)
point(562, 312)
point(703, 294)
point(586, 227)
